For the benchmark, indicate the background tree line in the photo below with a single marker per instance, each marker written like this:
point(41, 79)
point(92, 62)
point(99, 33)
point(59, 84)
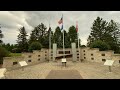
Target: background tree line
point(105, 35)
point(40, 36)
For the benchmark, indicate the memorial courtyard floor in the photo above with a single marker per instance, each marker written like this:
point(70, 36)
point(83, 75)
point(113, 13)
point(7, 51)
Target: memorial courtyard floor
point(84, 70)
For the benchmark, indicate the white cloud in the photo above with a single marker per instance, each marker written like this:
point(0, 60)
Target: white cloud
point(11, 21)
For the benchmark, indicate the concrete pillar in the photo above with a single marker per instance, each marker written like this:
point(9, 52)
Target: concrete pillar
point(74, 54)
point(54, 51)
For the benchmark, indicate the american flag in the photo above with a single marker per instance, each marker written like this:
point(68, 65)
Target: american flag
point(76, 26)
point(60, 21)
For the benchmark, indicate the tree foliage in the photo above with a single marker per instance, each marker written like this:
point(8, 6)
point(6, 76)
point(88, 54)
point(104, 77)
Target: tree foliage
point(66, 40)
point(108, 32)
point(3, 53)
point(1, 36)
point(72, 34)
point(57, 38)
point(22, 40)
point(40, 34)
point(100, 44)
point(35, 46)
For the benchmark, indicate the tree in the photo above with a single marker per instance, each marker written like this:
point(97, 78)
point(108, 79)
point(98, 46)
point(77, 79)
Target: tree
point(15, 48)
point(22, 40)
point(35, 46)
point(33, 37)
point(58, 37)
point(3, 53)
point(46, 38)
point(98, 30)
point(8, 47)
point(38, 34)
point(67, 43)
point(100, 44)
point(73, 35)
point(1, 36)
point(113, 36)
point(108, 32)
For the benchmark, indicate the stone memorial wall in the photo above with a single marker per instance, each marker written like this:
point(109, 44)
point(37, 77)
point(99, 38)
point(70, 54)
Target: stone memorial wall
point(86, 54)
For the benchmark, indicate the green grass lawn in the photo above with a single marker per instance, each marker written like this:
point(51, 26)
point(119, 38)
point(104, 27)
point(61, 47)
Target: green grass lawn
point(15, 54)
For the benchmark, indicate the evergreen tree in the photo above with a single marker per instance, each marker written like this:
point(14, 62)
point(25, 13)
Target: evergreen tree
point(1, 36)
point(73, 34)
point(98, 30)
point(108, 32)
point(22, 40)
point(67, 43)
point(58, 37)
point(38, 34)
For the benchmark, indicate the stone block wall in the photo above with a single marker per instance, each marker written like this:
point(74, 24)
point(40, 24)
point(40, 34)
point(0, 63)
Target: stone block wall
point(94, 55)
point(30, 58)
point(12, 62)
point(86, 54)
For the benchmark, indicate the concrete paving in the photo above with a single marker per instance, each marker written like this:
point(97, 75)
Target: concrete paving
point(2, 72)
point(64, 74)
point(86, 70)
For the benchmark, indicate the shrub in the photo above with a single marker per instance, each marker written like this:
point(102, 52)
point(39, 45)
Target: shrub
point(100, 44)
point(35, 46)
point(3, 53)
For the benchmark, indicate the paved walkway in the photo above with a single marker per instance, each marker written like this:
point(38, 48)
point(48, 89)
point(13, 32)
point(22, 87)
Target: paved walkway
point(64, 74)
point(88, 70)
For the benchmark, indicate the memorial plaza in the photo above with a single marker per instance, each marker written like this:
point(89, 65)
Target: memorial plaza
point(87, 70)
point(82, 63)
point(57, 50)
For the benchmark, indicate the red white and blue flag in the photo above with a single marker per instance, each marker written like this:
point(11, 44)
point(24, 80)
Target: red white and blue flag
point(76, 26)
point(60, 22)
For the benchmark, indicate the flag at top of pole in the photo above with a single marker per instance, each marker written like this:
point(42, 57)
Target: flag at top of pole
point(60, 22)
point(77, 26)
point(49, 28)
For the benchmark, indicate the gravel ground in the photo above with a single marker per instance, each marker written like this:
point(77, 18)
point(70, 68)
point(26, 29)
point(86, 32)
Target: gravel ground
point(88, 70)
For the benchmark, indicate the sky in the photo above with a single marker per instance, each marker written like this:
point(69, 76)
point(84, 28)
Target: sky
point(11, 21)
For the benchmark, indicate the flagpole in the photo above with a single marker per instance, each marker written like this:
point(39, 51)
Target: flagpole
point(78, 47)
point(63, 45)
point(78, 39)
point(49, 43)
point(63, 42)
point(78, 42)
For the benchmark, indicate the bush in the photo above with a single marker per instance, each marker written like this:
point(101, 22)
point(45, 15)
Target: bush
point(82, 46)
point(16, 50)
point(100, 44)
point(35, 46)
point(3, 53)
